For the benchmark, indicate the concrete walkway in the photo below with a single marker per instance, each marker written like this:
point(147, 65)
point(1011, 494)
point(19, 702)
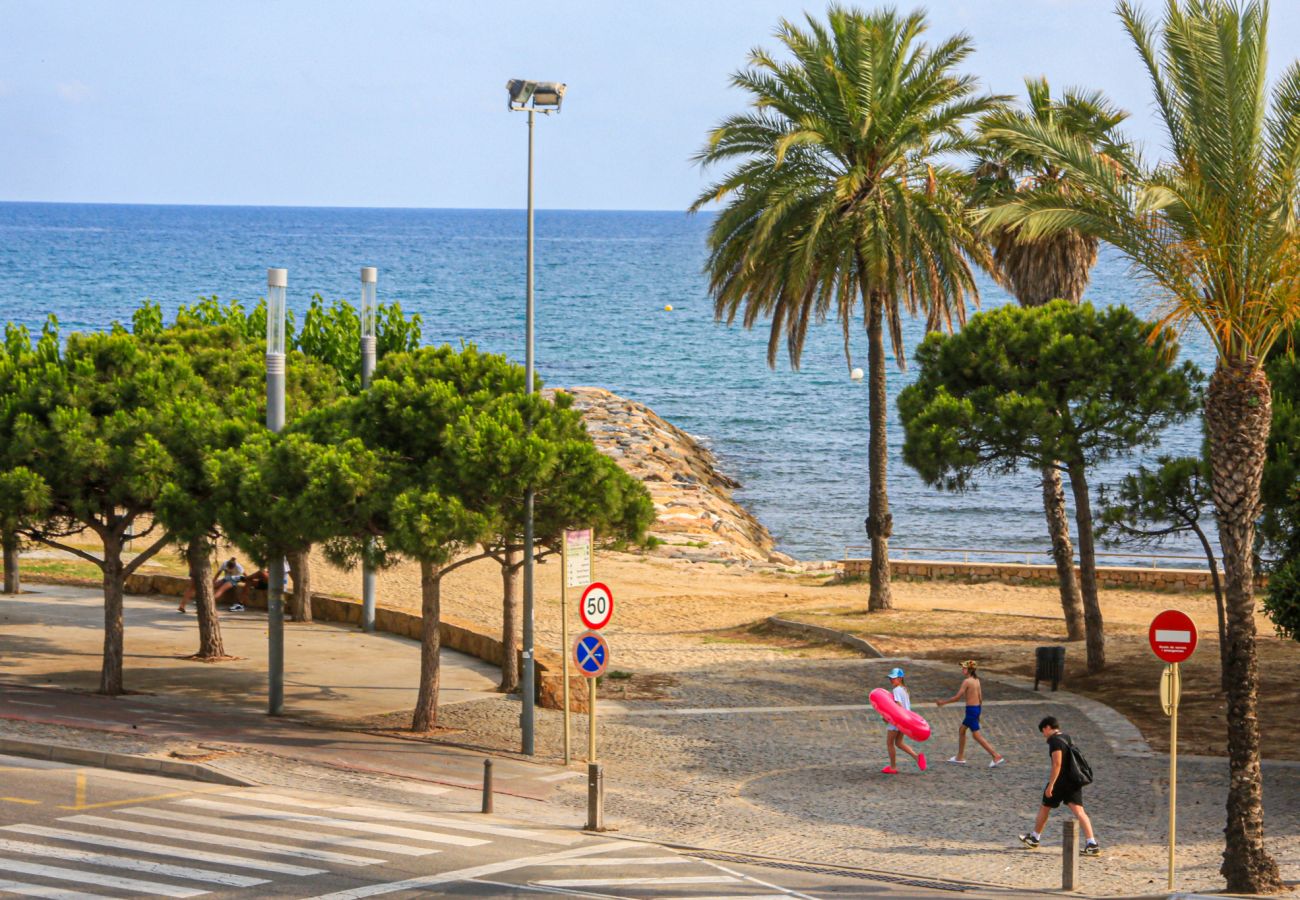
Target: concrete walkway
point(50, 654)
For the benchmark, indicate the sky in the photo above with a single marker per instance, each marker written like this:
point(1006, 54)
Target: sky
point(403, 102)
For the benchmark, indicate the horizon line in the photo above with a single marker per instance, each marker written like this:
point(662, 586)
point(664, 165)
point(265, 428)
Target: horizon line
point(345, 206)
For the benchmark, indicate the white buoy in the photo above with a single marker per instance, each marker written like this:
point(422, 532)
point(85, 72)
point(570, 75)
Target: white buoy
point(856, 375)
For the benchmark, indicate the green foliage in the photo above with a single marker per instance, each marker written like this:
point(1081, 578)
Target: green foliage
point(280, 494)
point(1150, 505)
point(332, 334)
point(1279, 529)
point(24, 499)
point(1034, 386)
point(1282, 599)
point(840, 191)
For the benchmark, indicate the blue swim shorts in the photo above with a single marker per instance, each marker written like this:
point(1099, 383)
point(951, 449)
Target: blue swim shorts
point(972, 720)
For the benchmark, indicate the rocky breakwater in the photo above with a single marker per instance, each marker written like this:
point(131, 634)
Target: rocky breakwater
point(695, 515)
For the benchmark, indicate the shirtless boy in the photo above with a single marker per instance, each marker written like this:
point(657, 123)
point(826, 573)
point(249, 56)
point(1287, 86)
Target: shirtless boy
point(973, 693)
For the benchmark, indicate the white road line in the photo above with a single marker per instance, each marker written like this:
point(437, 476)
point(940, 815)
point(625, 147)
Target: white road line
point(99, 840)
point(280, 849)
point(628, 882)
point(433, 837)
point(68, 854)
point(559, 776)
point(157, 888)
point(630, 861)
point(23, 889)
point(30, 703)
point(397, 815)
point(733, 897)
point(372, 890)
point(750, 879)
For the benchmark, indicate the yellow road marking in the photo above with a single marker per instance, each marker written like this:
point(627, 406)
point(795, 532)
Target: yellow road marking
point(80, 800)
point(148, 799)
point(20, 800)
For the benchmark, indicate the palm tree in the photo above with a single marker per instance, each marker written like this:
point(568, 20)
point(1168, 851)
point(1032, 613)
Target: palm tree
point(1216, 229)
point(838, 196)
point(1055, 266)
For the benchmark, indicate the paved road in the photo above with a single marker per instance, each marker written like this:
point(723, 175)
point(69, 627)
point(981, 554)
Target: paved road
point(78, 833)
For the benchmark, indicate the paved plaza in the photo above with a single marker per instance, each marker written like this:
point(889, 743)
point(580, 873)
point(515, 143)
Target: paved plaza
point(747, 761)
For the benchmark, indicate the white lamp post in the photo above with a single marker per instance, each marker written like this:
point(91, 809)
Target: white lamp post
point(277, 282)
point(531, 97)
point(369, 312)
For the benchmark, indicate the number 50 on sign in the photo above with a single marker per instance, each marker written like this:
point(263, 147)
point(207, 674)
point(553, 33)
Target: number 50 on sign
point(597, 606)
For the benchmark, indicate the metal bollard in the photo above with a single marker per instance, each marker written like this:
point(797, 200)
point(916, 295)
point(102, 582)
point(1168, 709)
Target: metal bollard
point(487, 785)
point(1069, 855)
point(595, 797)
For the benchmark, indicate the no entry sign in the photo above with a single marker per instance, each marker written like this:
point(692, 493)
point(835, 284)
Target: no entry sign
point(1172, 635)
point(597, 606)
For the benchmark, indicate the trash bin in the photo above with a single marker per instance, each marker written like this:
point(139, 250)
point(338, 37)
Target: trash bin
point(1050, 665)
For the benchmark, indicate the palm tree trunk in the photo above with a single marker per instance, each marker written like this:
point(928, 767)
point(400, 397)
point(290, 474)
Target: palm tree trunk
point(1058, 527)
point(426, 704)
point(510, 624)
point(110, 674)
point(198, 555)
point(1238, 409)
point(300, 571)
point(13, 583)
point(880, 524)
point(1093, 626)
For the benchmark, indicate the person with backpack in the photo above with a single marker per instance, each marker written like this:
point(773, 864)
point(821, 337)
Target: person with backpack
point(1070, 773)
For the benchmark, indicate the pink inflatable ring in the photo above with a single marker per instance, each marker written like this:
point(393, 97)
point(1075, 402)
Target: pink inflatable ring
point(904, 720)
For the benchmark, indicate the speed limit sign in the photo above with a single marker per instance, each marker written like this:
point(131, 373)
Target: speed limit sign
point(597, 606)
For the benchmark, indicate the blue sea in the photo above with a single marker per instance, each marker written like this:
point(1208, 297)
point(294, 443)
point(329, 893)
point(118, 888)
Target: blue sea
point(796, 440)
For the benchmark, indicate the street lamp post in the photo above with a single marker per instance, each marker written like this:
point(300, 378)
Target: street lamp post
point(277, 281)
point(531, 97)
point(369, 277)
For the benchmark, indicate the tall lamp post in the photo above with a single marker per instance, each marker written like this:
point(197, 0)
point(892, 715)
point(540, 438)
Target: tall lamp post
point(530, 97)
point(369, 278)
point(277, 281)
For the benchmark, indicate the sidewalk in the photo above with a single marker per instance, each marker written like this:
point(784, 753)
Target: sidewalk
point(50, 653)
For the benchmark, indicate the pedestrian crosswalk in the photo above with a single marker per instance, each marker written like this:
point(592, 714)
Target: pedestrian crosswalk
point(260, 843)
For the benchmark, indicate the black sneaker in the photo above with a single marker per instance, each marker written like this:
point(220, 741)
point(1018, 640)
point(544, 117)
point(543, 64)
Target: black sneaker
point(1091, 849)
point(1029, 841)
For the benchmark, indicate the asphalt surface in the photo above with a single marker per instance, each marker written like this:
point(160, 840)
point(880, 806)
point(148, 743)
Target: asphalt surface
point(74, 832)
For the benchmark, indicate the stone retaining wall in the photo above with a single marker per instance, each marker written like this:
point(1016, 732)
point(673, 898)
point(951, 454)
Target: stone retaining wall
point(1021, 573)
point(457, 634)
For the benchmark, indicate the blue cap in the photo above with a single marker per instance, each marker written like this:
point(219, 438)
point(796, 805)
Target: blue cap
point(896, 673)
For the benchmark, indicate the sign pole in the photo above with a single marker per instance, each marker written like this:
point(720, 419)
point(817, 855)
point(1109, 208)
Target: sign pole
point(564, 637)
point(1173, 638)
point(591, 720)
point(591, 682)
point(1175, 692)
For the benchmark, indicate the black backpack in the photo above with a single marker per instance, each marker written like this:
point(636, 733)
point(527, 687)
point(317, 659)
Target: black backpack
point(1074, 767)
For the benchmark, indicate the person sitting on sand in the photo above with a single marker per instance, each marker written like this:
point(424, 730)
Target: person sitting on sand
point(973, 693)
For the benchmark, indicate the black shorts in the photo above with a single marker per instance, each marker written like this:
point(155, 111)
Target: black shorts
point(1065, 793)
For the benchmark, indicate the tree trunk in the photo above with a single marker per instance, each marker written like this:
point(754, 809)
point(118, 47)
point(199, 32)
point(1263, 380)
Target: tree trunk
point(1218, 604)
point(300, 572)
point(110, 675)
point(1238, 407)
point(1058, 527)
point(880, 524)
point(510, 624)
point(426, 704)
point(198, 555)
point(1095, 630)
point(13, 583)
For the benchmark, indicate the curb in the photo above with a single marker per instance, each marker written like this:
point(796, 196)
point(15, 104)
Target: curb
point(122, 762)
point(851, 641)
